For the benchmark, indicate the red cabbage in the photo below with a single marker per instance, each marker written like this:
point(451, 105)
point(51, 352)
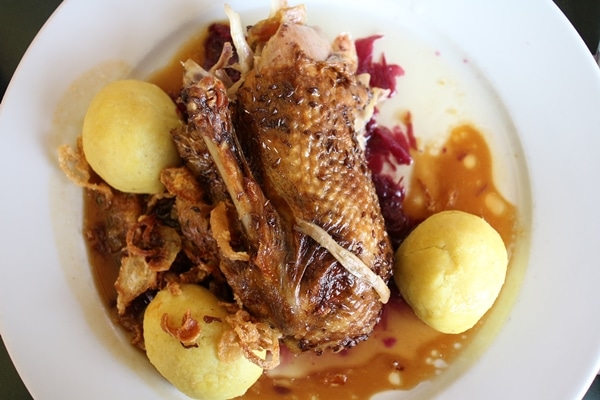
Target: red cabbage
point(387, 146)
point(383, 75)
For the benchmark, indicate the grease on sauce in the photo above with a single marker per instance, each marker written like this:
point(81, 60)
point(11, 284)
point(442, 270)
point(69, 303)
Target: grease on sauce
point(460, 177)
point(402, 351)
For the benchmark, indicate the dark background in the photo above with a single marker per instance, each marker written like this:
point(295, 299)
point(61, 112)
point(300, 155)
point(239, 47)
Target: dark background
point(20, 21)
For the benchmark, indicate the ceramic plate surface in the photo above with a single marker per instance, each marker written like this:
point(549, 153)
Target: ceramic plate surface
point(516, 70)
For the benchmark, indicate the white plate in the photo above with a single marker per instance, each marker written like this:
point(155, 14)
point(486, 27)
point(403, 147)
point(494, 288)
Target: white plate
point(516, 69)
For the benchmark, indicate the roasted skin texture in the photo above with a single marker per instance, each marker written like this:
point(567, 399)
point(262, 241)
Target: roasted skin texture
point(297, 119)
point(289, 156)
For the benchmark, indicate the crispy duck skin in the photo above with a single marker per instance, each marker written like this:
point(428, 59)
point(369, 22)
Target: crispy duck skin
point(301, 165)
point(297, 124)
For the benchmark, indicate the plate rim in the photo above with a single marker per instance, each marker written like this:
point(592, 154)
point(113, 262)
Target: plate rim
point(566, 37)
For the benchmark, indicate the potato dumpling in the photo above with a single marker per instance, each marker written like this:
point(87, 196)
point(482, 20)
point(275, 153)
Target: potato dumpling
point(195, 369)
point(126, 137)
point(450, 270)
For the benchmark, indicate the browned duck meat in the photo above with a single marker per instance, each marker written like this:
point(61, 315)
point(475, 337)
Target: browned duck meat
point(316, 257)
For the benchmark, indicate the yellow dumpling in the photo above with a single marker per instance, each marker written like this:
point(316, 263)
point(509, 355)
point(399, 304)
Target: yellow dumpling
point(195, 369)
point(126, 137)
point(450, 270)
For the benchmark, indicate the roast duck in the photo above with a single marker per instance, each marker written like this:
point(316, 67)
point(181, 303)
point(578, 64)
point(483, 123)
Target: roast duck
point(282, 150)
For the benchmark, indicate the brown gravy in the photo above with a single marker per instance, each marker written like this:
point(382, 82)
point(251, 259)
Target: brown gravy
point(402, 351)
point(460, 177)
point(170, 77)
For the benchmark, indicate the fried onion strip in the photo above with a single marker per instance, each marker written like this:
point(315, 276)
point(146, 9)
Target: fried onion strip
point(187, 333)
point(220, 231)
point(349, 260)
point(74, 165)
point(252, 337)
point(157, 244)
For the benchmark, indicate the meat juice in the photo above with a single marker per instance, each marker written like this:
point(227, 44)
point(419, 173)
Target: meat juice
point(402, 351)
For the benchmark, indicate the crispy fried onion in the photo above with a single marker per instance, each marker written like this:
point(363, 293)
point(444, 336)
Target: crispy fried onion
point(347, 259)
point(134, 279)
point(219, 226)
point(157, 244)
point(181, 183)
point(73, 163)
point(151, 248)
point(251, 337)
point(187, 333)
